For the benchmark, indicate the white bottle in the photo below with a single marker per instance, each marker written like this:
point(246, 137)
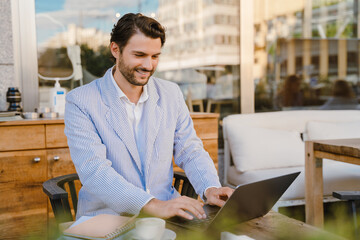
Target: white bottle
point(57, 99)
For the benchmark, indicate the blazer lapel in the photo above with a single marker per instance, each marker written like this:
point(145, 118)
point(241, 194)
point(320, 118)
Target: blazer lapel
point(117, 117)
point(152, 118)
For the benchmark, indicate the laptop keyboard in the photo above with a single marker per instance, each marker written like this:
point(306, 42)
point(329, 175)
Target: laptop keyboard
point(196, 223)
point(199, 222)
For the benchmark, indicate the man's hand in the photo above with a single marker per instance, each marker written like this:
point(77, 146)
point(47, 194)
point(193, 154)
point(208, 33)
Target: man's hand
point(218, 196)
point(175, 207)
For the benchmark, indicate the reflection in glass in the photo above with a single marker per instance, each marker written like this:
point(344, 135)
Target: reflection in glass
point(201, 53)
point(63, 24)
point(202, 39)
point(315, 43)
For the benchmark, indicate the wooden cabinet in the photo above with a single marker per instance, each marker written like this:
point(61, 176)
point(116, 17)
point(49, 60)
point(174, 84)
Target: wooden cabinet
point(23, 206)
point(32, 151)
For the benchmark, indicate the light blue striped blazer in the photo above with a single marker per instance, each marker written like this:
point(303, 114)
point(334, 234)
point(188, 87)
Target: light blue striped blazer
point(104, 152)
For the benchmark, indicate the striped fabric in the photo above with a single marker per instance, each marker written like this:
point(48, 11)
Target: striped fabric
point(105, 154)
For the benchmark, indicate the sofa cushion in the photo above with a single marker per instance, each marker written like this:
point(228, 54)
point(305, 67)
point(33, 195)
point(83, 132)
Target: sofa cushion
point(316, 130)
point(290, 120)
point(338, 176)
point(255, 148)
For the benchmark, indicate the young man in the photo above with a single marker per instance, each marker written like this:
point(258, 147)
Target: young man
point(124, 128)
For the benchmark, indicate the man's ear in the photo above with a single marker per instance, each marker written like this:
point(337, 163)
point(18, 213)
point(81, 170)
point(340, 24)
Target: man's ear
point(115, 50)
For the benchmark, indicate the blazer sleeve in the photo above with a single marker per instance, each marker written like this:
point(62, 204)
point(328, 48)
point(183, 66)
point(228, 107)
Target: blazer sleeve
point(95, 171)
point(189, 152)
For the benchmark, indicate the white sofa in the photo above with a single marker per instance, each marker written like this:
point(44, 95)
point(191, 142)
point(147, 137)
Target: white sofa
point(264, 145)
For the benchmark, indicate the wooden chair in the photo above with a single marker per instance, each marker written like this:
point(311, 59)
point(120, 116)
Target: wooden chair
point(58, 190)
point(182, 184)
point(193, 102)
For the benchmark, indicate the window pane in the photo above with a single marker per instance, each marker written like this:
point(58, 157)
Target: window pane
point(201, 53)
point(306, 57)
point(62, 24)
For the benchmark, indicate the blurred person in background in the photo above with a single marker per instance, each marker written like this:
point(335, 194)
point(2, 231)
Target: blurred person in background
point(343, 97)
point(291, 94)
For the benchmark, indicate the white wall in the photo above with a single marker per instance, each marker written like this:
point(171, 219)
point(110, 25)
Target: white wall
point(7, 69)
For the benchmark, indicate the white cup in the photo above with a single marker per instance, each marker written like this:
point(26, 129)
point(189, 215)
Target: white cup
point(150, 228)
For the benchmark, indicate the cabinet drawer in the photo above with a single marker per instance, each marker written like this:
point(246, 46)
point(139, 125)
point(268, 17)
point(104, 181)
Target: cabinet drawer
point(22, 137)
point(23, 203)
point(59, 162)
point(55, 136)
point(23, 166)
point(21, 180)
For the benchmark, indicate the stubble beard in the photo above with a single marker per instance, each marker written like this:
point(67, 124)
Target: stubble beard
point(129, 73)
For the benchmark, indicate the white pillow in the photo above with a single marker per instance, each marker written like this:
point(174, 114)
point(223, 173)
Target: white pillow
point(261, 148)
point(332, 130)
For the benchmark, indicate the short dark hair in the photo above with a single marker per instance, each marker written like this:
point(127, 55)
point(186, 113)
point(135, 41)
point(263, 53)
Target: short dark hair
point(130, 23)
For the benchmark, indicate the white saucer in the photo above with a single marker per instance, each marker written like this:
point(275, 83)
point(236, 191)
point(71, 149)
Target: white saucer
point(131, 235)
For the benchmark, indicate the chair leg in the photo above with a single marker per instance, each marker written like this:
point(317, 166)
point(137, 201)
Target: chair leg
point(201, 106)
point(208, 106)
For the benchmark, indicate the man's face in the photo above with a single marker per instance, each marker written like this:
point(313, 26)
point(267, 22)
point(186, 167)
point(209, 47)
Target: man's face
point(139, 59)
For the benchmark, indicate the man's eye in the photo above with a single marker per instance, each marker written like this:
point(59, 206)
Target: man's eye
point(139, 55)
point(155, 57)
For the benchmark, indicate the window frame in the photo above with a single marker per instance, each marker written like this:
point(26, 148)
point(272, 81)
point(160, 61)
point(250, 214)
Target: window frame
point(25, 52)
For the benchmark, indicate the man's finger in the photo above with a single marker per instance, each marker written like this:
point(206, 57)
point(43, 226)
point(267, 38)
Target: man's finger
point(182, 213)
point(216, 201)
point(195, 203)
point(194, 209)
point(225, 193)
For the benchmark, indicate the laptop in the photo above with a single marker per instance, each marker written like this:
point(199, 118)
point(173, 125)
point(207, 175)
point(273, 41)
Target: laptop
point(248, 201)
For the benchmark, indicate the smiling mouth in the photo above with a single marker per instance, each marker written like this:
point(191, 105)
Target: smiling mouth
point(143, 72)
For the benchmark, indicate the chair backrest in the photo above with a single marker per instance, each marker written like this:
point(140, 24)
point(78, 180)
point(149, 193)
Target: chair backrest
point(58, 189)
point(183, 186)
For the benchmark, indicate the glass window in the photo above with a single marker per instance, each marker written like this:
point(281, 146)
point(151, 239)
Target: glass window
point(309, 52)
point(73, 40)
point(201, 53)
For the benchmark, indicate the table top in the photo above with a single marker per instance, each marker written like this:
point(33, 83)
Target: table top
point(269, 227)
point(272, 226)
point(345, 147)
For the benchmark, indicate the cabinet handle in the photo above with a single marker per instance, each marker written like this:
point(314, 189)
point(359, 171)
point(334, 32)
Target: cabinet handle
point(56, 158)
point(37, 159)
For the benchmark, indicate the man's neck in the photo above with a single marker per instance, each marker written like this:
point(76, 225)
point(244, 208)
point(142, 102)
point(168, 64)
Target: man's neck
point(132, 92)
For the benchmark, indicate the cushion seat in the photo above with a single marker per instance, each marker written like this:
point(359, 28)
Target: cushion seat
point(337, 176)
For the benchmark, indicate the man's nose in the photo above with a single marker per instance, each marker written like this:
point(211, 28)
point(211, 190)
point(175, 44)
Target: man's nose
point(147, 64)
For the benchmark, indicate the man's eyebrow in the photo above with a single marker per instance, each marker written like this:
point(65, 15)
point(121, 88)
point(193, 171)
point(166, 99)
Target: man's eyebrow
point(140, 52)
